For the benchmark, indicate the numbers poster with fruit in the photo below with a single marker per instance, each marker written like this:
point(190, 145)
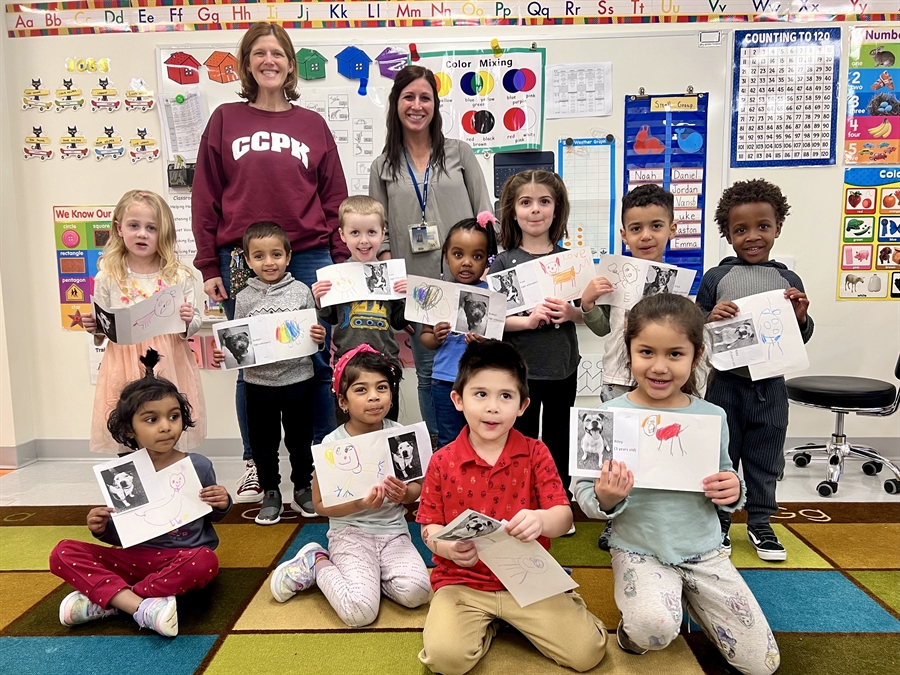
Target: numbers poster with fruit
point(870, 235)
point(873, 109)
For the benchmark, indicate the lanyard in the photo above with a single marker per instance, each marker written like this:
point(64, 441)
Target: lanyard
point(423, 195)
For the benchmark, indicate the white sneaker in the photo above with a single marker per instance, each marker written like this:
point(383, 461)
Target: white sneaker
point(160, 615)
point(248, 488)
point(76, 609)
point(297, 574)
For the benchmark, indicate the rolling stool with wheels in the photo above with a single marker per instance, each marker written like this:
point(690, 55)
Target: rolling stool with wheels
point(843, 395)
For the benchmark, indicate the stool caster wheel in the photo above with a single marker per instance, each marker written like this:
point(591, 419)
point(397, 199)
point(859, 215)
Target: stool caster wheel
point(871, 468)
point(802, 459)
point(828, 487)
point(892, 486)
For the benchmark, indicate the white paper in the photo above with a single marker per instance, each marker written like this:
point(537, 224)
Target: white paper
point(633, 279)
point(128, 482)
point(347, 469)
point(734, 342)
point(664, 450)
point(562, 275)
point(783, 347)
point(156, 315)
point(468, 309)
point(580, 90)
point(266, 338)
point(354, 281)
point(182, 123)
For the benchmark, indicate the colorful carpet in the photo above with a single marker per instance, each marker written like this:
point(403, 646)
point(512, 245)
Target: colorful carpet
point(834, 606)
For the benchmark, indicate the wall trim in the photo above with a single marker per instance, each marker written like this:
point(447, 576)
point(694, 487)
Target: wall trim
point(17, 456)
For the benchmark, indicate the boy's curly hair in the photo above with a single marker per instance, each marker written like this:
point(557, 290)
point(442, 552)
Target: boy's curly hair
point(748, 192)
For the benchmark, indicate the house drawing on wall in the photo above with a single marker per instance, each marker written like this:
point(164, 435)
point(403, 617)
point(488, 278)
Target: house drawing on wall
point(391, 61)
point(182, 68)
point(353, 63)
point(221, 67)
point(310, 64)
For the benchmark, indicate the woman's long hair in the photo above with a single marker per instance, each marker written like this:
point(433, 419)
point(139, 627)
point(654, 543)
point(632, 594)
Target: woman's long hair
point(394, 143)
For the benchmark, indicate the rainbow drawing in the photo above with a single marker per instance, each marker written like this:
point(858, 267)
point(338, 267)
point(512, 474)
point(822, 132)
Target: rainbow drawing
point(288, 332)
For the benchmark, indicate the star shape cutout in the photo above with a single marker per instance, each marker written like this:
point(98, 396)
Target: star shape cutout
point(77, 319)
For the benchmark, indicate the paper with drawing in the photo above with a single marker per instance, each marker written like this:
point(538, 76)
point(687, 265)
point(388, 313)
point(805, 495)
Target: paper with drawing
point(347, 469)
point(156, 315)
point(633, 279)
point(664, 450)
point(265, 338)
point(157, 502)
point(468, 309)
point(561, 275)
point(353, 281)
point(779, 334)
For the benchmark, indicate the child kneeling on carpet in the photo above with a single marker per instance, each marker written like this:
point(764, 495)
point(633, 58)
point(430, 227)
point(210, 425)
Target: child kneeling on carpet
point(144, 580)
point(495, 470)
point(369, 548)
point(666, 545)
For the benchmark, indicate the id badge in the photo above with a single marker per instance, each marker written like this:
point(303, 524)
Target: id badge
point(424, 237)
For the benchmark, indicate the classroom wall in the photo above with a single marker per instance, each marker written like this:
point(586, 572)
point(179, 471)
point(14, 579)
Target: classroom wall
point(45, 383)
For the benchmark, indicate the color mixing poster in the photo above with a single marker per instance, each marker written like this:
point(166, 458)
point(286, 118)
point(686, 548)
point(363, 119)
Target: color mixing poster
point(870, 235)
point(665, 144)
point(491, 102)
point(873, 109)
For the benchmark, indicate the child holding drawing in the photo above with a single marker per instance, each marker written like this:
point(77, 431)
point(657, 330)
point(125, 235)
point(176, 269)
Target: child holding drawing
point(534, 211)
point(362, 230)
point(750, 216)
point(279, 393)
point(369, 548)
point(491, 390)
point(469, 247)
point(139, 261)
point(666, 544)
point(143, 580)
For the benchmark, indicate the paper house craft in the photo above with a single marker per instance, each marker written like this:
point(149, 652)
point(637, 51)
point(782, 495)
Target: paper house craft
point(183, 68)
point(221, 67)
point(310, 64)
point(353, 63)
point(391, 61)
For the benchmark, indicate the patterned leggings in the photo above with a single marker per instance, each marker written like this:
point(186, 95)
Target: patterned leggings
point(367, 565)
point(650, 595)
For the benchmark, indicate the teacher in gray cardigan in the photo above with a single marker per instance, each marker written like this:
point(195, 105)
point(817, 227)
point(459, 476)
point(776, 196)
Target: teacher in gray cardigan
point(427, 183)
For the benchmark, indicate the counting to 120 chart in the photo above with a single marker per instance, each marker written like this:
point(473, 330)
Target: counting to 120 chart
point(785, 97)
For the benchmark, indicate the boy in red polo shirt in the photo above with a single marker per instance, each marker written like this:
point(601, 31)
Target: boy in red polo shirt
point(493, 469)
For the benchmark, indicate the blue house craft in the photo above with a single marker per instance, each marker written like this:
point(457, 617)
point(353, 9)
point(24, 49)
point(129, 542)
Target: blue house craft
point(353, 63)
point(391, 61)
point(310, 64)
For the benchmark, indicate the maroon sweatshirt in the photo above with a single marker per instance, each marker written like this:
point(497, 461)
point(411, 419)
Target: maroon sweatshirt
point(255, 165)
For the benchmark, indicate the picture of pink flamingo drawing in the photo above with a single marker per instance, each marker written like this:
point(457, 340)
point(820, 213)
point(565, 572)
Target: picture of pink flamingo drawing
point(670, 432)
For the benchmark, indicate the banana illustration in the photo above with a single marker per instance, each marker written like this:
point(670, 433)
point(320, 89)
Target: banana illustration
point(882, 130)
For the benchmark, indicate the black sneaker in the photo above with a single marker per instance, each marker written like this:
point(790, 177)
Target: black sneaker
point(726, 542)
point(625, 643)
point(603, 539)
point(303, 503)
point(766, 543)
point(271, 510)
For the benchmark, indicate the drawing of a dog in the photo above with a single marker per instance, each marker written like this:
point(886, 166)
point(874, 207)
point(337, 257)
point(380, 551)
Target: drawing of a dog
point(122, 487)
point(375, 279)
point(403, 459)
point(593, 442)
point(238, 344)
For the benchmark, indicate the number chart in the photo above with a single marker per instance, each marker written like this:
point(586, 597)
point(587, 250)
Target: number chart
point(873, 112)
point(785, 97)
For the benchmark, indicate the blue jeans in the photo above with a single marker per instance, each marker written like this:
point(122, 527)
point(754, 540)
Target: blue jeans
point(424, 359)
point(450, 421)
point(303, 266)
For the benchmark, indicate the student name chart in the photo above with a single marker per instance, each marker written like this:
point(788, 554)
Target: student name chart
point(785, 97)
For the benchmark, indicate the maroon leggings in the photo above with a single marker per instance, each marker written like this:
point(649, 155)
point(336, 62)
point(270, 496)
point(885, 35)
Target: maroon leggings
point(100, 571)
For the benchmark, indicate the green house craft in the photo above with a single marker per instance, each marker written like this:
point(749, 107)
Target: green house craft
point(310, 64)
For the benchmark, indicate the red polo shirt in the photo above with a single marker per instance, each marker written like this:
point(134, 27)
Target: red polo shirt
point(524, 477)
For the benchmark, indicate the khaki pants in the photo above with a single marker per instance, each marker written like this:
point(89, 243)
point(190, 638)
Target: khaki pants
point(462, 622)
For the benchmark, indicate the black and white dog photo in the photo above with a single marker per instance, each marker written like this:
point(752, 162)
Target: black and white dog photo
point(735, 335)
point(475, 525)
point(659, 280)
point(376, 278)
point(595, 434)
point(508, 284)
point(237, 346)
point(106, 323)
point(124, 487)
point(405, 457)
point(472, 313)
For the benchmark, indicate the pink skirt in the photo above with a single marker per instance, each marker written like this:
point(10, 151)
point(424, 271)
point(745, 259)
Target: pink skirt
point(121, 365)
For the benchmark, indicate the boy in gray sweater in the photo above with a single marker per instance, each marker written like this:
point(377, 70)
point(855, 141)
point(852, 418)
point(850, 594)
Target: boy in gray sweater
point(279, 393)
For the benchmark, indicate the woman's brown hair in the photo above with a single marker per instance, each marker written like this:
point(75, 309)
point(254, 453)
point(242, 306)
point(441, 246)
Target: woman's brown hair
point(510, 232)
point(393, 144)
point(249, 87)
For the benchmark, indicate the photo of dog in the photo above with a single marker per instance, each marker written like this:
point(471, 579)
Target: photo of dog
point(659, 280)
point(508, 284)
point(376, 278)
point(237, 346)
point(106, 323)
point(733, 336)
point(405, 457)
point(595, 432)
point(124, 487)
point(472, 314)
point(475, 525)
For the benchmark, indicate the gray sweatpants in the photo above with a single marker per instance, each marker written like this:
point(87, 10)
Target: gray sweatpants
point(650, 594)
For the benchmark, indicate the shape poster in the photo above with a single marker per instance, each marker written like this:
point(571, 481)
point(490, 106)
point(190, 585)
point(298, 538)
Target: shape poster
point(491, 102)
point(872, 132)
point(81, 232)
point(665, 144)
point(869, 263)
point(784, 111)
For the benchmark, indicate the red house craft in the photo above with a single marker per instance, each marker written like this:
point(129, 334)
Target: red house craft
point(182, 68)
point(221, 67)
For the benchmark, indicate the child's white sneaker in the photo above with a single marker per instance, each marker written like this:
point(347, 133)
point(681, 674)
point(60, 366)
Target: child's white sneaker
point(158, 614)
point(297, 574)
point(76, 609)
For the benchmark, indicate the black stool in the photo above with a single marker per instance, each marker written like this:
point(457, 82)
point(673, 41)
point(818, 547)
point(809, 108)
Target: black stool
point(843, 395)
